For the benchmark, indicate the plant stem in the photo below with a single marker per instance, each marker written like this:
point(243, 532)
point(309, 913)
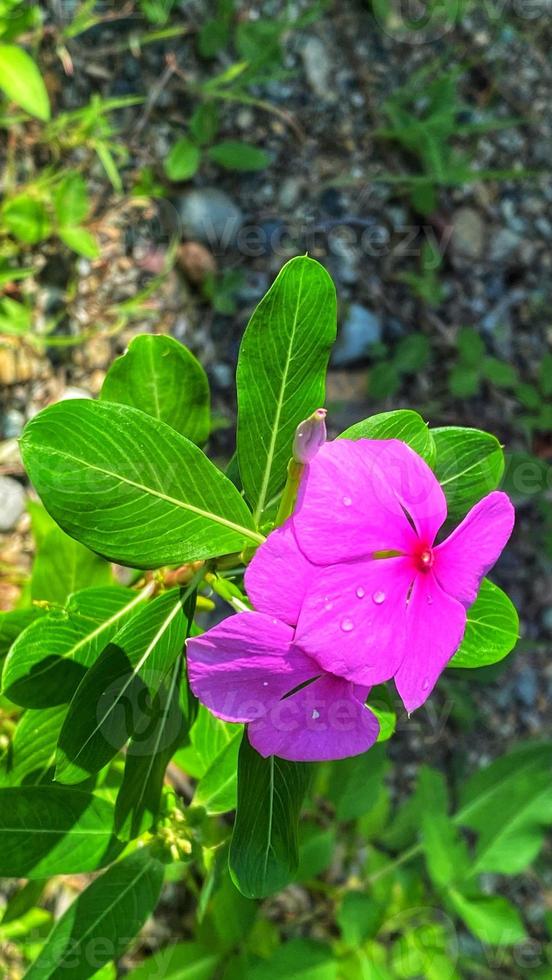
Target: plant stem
point(289, 495)
point(406, 856)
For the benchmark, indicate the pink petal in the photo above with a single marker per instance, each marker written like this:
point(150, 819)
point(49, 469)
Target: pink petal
point(346, 509)
point(277, 578)
point(472, 549)
point(325, 720)
point(415, 485)
point(241, 667)
point(353, 620)
point(436, 624)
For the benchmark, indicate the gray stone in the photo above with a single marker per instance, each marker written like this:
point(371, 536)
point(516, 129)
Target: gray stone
point(361, 329)
point(12, 502)
point(503, 244)
point(13, 423)
point(527, 687)
point(468, 233)
point(210, 216)
point(318, 68)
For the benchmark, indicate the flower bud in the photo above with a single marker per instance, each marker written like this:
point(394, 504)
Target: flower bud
point(310, 436)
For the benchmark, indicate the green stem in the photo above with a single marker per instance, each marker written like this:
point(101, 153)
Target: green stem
point(406, 856)
point(289, 495)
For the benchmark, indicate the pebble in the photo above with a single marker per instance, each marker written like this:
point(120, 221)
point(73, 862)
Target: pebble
point(468, 233)
point(12, 424)
point(361, 329)
point(196, 262)
point(503, 244)
point(209, 215)
point(318, 68)
point(526, 687)
point(12, 502)
point(290, 192)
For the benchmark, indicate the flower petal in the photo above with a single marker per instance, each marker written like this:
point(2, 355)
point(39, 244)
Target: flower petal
point(278, 576)
point(325, 720)
point(241, 667)
point(435, 627)
point(346, 508)
point(353, 620)
point(472, 549)
point(416, 486)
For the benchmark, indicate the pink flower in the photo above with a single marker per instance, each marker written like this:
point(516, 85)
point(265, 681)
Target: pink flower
point(350, 592)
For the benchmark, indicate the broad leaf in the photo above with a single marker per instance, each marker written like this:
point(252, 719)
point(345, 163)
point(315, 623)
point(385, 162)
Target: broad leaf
point(183, 961)
point(113, 702)
point(104, 919)
point(32, 754)
point(81, 241)
point(26, 219)
point(492, 629)
point(302, 959)
point(264, 850)
point(182, 160)
point(234, 155)
point(49, 659)
point(13, 623)
point(281, 374)
point(446, 855)
point(22, 82)
point(71, 200)
point(209, 736)
point(403, 424)
point(164, 379)
point(509, 805)
point(469, 464)
point(148, 754)
point(354, 783)
point(51, 830)
point(217, 789)
point(63, 566)
point(494, 920)
point(130, 487)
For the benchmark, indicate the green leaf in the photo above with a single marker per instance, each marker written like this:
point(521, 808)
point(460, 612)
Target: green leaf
point(32, 755)
point(464, 382)
point(302, 959)
point(217, 789)
point(381, 705)
point(499, 373)
point(164, 379)
point(148, 754)
point(355, 782)
point(234, 155)
point(102, 920)
point(446, 855)
point(509, 804)
point(359, 917)
point(491, 918)
point(204, 123)
point(13, 623)
point(49, 659)
point(383, 380)
point(209, 736)
point(71, 202)
point(183, 961)
point(113, 700)
point(281, 373)
point(469, 464)
point(402, 424)
point(64, 566)
point(22, 82)
point(264, 850)
point(183, 160)
point(81, 241)
point(492, 629)
point(26, 219)
point(411, 353)
point(471, 348)
point(130, 487)
point(53, 830)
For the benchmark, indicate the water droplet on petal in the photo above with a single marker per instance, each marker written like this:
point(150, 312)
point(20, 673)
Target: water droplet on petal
point(425, 684)
point(265, 683)
point(347, 501)
point(315, 714)
point(360, 592)
point(347, 625)
point(328, 606)
point(378, 598)
point(429, 599)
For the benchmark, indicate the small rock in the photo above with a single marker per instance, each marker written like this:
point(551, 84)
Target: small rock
point(503, 245)
point(209, 215)
point(12, 502)
point(468, 233)
point(13, 423)
point(360, 331)
point(223, 374)
point(526, 687)
point(73, 392)
point(318, 69)
point(290, 192)
point(196, 262)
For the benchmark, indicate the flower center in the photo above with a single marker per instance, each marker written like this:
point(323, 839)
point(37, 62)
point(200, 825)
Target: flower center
point(424, 559)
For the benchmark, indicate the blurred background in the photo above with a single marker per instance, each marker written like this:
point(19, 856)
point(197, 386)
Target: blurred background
point(161, 161)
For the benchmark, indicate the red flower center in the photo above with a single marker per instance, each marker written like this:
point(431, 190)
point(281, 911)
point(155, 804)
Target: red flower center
point(424, 558)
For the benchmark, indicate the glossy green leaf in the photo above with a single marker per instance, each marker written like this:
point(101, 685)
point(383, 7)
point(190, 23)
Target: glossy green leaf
point(281, 373)
point(22, 82)
point(402, 424)
point(49, 659)
point(264, 850)
point(183, 961)
point(130, 487)
point(32, 754)
point(469, 464)
point(13, 623)
point(113, 702)
point(492, 629)
point(234, 155)
point(63, 566)
point(183, 160)
point(53, 830)
point(509, 805)
point(491, 918)
point(149, 752)
point(164, 379)
point(102, 921)
point(217, 789)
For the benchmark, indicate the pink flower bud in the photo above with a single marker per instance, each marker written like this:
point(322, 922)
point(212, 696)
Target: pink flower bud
point(310, 436)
